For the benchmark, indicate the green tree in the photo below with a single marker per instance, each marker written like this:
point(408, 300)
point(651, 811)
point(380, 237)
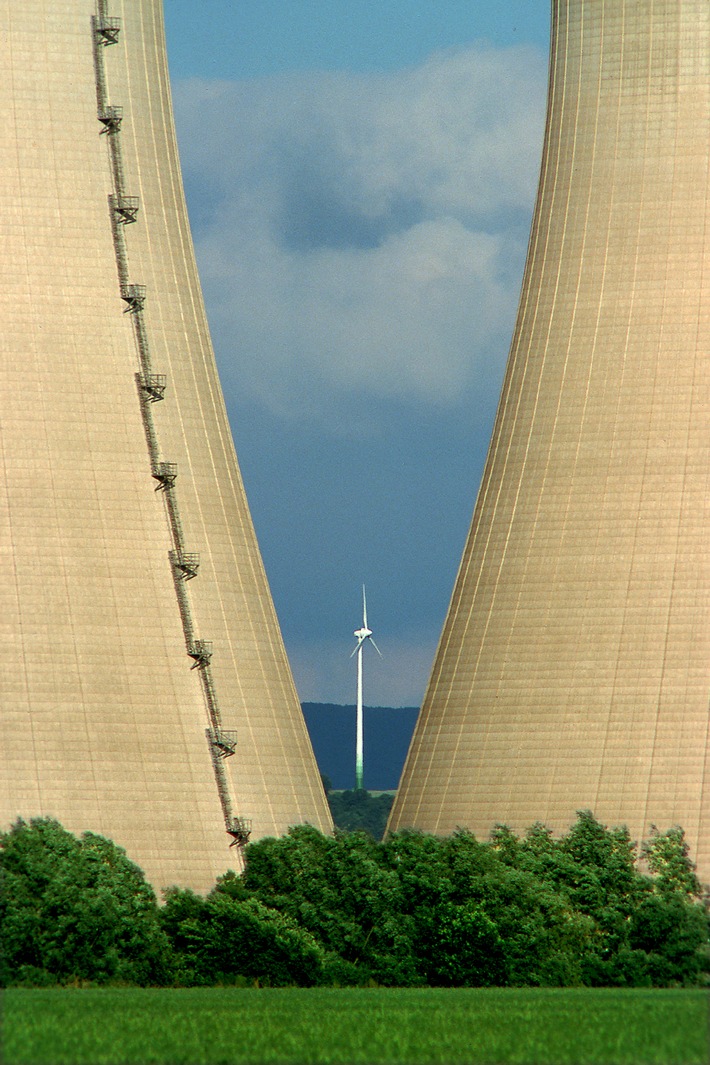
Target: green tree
point(536, 910)
point(672, 932)
point(221, 939)
point(539, 937)
point(461, 946)
point(75, 909)
point(645, 930)
point(339, 889)
point(668, 858)
point(359, 810)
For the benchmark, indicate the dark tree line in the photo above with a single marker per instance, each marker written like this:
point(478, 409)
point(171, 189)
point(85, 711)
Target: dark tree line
point(414, 910)
point(359, 809)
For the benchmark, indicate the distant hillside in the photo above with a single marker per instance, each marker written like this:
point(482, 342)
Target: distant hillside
point(387, 732)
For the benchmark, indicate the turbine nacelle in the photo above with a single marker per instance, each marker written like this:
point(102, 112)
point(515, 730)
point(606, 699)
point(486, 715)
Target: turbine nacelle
point(364, 633)
point(361, 635)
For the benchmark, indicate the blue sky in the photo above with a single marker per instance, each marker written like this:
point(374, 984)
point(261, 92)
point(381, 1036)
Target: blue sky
point(360, 176)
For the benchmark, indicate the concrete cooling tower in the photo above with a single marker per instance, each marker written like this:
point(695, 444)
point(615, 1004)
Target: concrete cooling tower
point(572, 671)
point(145, 692)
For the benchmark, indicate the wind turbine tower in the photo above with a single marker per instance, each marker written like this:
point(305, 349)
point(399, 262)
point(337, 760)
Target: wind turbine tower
point(361, 635)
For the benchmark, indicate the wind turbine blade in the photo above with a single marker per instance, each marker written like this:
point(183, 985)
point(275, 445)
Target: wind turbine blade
point(364, 608)
point(375, 646)
point(360, 642)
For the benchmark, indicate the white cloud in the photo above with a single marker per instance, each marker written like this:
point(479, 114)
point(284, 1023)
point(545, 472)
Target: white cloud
point(363, 235)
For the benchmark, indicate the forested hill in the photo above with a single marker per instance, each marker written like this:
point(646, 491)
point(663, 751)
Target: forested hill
point(387, 732)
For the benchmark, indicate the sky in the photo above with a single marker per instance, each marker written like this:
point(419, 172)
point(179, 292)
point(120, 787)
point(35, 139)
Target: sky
point(360, 176)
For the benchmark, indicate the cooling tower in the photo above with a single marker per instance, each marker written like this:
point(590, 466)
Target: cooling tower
point(572, 671)
point(145, 691)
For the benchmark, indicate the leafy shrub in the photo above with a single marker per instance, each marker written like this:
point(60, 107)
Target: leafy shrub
point(346, 910)
point(463, 948)
point(221, 938)
point(340, 890)
point(75, 910)
point(359, 810)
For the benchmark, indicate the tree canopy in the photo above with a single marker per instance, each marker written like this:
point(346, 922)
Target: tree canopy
point(359, 809)
point(76, 910)
point(583, 909)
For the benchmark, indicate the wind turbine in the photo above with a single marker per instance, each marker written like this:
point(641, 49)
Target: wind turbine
point(361, 635)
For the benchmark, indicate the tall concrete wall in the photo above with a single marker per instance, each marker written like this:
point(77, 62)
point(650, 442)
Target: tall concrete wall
point(572, 670)
point(102, 719)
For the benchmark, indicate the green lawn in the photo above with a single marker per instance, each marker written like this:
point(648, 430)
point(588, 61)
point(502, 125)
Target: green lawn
point(221, 1026)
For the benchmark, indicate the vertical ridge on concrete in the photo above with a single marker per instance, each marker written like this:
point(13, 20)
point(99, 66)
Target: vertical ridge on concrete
point(104, 724)
point(572, 670)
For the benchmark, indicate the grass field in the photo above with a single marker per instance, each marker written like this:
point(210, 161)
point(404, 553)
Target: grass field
point(222, 1026)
